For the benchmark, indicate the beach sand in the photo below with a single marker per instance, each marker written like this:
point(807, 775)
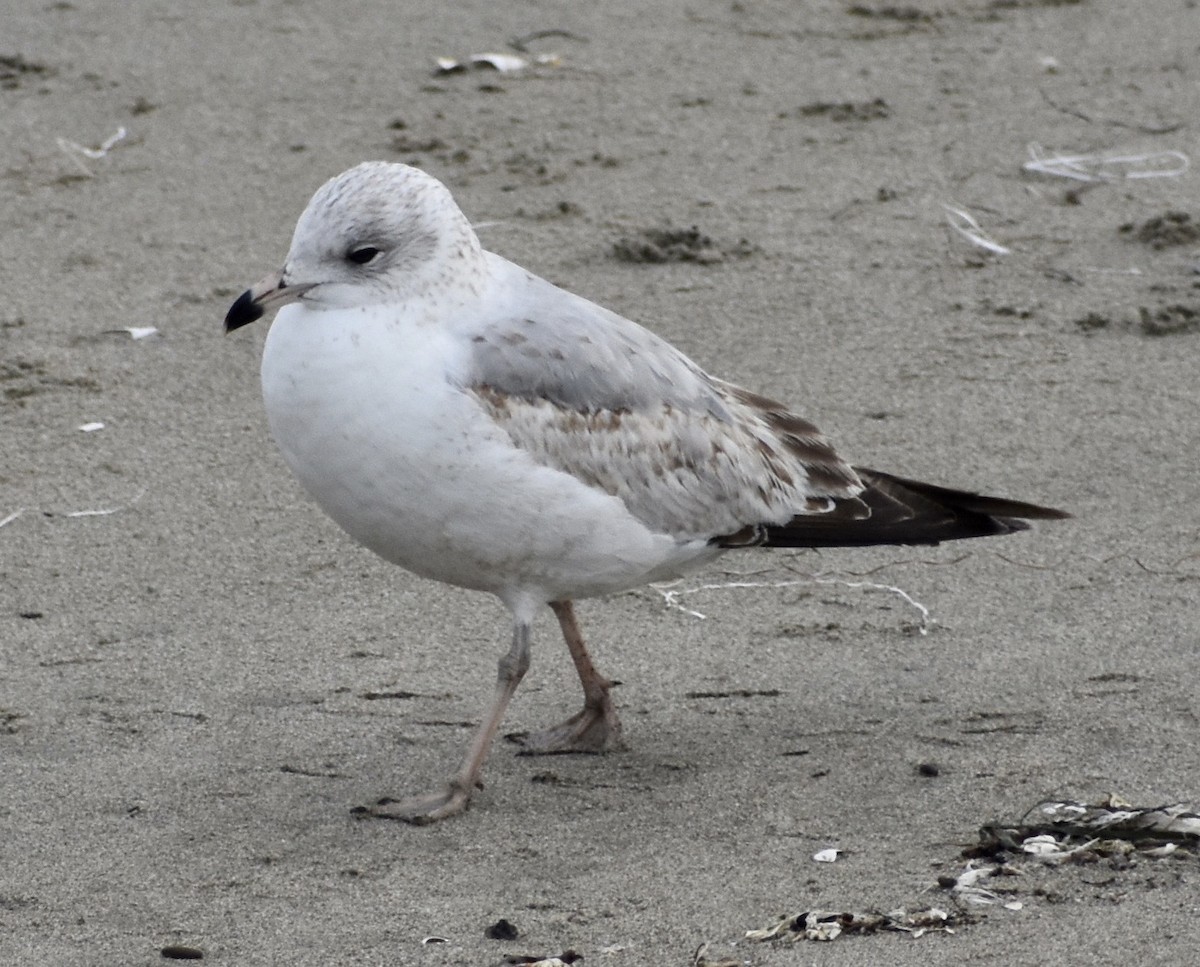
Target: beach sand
point(192, 657)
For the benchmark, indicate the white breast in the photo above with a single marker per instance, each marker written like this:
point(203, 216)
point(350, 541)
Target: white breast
point(368, 414)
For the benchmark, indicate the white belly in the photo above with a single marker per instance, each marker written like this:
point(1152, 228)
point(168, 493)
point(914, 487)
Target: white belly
point(368, 417)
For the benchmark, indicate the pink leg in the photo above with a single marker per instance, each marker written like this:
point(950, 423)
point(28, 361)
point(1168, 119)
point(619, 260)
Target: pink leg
point(453, 799)
point(594, 729)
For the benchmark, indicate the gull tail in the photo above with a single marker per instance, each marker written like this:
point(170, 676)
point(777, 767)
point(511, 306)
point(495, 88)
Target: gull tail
point(905, 511)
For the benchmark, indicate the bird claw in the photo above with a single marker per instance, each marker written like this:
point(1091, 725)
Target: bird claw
point(418, 810)
point(593, 730)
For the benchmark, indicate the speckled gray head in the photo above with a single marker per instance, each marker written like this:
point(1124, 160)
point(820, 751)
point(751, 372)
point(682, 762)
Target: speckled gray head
point(379, 232)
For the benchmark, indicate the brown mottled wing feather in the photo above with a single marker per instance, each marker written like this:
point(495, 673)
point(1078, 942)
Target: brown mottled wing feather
point(683, 471)
point(592, 394)
point(587, 392)
point(908, 512)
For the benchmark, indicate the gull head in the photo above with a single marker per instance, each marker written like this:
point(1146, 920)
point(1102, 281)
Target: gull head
point(378, 233)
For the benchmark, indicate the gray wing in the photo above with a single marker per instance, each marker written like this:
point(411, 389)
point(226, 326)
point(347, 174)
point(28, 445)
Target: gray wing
point(579, 355)
point(597, 396)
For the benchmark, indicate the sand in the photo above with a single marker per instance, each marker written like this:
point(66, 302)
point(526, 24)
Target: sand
point(185, 720)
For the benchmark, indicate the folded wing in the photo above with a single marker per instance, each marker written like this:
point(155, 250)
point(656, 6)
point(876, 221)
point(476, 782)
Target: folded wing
point(594, 395)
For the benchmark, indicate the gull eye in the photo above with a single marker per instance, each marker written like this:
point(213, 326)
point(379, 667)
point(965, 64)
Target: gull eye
point(363, 255)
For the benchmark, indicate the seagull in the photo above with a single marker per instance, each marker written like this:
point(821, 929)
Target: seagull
point(477, 425)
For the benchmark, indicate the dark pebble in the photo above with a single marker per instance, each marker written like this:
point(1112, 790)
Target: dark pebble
point(502, 930)
point(180, 952)
point(929, 769)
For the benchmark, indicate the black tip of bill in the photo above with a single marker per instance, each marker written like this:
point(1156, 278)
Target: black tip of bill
point(243, 312)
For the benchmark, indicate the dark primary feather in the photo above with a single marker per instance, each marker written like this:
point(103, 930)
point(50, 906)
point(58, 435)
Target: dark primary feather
point(902, 512)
